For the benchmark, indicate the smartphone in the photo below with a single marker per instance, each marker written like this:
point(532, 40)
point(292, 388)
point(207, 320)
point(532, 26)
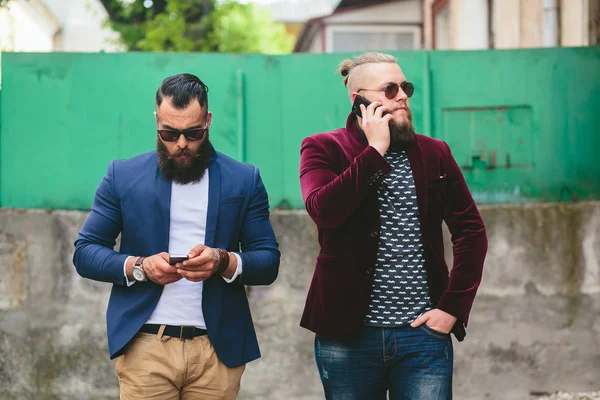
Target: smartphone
point(358, 100)
point(177, 258)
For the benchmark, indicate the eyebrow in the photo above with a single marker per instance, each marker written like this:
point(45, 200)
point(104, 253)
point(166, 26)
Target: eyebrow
point(165, 126)
point(390, 82)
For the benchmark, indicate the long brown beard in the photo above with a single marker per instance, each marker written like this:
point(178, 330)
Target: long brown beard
point(184, 174)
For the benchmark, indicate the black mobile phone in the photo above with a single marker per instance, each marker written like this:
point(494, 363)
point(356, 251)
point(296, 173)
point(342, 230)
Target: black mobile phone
point(177, 258)
point(358, 100)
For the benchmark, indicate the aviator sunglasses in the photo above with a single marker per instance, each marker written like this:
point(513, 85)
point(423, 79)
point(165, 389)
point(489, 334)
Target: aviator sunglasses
point(172, 135)
point(391, 90)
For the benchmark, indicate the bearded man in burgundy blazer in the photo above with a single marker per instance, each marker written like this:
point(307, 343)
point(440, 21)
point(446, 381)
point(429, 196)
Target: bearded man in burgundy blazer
point(382, 301)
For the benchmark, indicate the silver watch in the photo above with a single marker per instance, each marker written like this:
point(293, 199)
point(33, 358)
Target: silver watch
point(138, 270)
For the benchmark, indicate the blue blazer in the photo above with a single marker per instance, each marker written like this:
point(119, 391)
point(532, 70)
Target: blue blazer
point(133, 199)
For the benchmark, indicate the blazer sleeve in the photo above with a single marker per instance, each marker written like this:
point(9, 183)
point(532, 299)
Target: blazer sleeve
point(329, 197)
point(94, 256)
point(260, 254)
point(469, 243)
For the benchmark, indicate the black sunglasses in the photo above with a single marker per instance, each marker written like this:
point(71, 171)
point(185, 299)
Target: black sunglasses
point(391, 90)
point(172, 135)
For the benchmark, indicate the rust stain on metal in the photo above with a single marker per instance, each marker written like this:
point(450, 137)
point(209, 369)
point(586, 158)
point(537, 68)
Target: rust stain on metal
point(492, 160)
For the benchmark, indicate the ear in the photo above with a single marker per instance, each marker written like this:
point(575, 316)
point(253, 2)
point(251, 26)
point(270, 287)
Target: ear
point(353, 96)
point(208, 119)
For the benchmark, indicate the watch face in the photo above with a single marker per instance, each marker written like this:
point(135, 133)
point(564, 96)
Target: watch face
point(138, 274)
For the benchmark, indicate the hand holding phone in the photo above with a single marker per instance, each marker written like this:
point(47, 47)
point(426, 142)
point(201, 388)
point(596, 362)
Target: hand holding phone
point(375, 127)
point(358, 100)
point(158, 270)
point(177, 258)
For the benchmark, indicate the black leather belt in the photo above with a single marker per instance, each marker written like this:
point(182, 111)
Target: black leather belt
point(181, 332)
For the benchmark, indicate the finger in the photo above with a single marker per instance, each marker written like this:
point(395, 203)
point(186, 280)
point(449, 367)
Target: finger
point(363, 111)
point(194, 276)
point(171, 279)
point(420, 321)
point(373, 106)
point(164, 256)
point(205, 257)
point(203, 266)
point(165, 268)
point(196, 251)
point(380, 110)
point(387, 118)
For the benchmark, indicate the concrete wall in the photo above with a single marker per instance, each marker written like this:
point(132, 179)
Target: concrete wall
point(535, 325)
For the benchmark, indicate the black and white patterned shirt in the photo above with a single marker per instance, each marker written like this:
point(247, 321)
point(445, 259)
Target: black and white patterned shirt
point(400, 292)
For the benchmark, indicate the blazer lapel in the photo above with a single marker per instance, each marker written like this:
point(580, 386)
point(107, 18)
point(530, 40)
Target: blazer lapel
point(417, 164)
point(213, 288)
point(214, 198)
point(164, 206)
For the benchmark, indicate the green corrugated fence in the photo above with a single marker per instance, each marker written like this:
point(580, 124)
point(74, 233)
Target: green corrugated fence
point(524, 125)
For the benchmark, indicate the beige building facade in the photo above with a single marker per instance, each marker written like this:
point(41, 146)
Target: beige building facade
point(56, 25)
point(509, 24)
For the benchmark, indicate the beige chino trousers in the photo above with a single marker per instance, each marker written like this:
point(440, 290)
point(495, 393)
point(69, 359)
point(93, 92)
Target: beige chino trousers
point(157, 367)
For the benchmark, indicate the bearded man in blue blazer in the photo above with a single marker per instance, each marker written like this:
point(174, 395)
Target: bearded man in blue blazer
point(180, 329)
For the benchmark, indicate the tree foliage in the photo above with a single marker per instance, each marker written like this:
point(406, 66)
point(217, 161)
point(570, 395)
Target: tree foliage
point(197, 25)
point(246, 28)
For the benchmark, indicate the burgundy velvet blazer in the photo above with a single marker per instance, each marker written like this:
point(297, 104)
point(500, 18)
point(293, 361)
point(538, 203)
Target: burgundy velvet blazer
point(339, 175)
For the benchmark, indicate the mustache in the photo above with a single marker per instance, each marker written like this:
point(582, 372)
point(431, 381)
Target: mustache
point(400, 107)
point(183, 152)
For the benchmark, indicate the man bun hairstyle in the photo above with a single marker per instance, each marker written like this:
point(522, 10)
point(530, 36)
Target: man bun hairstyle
point(348, 65)
point(344, 70)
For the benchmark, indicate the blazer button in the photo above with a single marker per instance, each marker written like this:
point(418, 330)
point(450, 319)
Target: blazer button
point(370, 271)
point(374, 234)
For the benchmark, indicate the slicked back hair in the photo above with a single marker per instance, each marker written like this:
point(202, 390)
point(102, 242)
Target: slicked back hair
point(182, 89)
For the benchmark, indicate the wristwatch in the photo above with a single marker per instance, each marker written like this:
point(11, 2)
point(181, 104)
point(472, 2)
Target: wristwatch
point(138, 271)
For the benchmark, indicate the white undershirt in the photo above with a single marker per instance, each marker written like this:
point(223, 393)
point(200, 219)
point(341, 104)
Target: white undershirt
point(181, 301)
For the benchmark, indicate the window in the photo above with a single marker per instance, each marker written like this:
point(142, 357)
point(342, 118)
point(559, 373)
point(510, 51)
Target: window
point(348, 38)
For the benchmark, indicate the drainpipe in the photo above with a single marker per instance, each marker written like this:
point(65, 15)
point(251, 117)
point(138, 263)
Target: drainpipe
point(550, 24)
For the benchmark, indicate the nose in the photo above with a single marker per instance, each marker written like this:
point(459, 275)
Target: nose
point(401, 96)
point(182, 142)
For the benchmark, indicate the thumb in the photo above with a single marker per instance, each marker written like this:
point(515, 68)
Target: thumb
point(420, 321)
point(196, 251)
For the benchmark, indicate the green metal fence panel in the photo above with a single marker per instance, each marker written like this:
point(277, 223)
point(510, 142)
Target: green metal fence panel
point(524, 125)
point(65, 116)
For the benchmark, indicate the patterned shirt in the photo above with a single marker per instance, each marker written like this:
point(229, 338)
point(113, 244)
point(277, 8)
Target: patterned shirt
point(400, 292)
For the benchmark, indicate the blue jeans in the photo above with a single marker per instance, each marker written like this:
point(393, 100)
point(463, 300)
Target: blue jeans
point(412, 363)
